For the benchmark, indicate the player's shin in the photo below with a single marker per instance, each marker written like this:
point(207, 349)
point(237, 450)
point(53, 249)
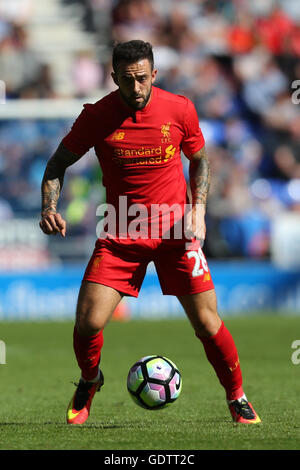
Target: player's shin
point(88, 352)
point(222, 353)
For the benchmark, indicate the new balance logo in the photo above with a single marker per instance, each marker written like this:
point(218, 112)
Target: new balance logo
point(118, 136)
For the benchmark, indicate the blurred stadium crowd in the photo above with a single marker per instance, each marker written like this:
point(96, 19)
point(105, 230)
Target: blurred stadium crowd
point(237, 60)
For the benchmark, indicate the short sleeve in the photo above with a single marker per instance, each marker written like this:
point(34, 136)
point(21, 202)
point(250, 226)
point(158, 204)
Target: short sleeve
point(193, 139)
point(82, 135)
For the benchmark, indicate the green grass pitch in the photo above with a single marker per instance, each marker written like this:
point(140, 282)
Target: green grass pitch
point(36, 386)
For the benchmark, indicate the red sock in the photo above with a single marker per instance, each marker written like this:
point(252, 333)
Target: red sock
point(222, 354)
point(87, 351)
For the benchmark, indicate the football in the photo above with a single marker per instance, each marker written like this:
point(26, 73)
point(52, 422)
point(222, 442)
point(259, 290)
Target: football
point(154, 382)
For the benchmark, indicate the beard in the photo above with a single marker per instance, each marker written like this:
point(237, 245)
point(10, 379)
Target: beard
point(130, 101)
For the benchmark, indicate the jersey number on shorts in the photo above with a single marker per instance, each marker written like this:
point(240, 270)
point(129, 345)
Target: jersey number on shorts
point(200, 262)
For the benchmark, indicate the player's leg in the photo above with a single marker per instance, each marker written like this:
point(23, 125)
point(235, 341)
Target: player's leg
point(218, 343)
point(201, 310)
point(185, 273)
point(96, 304)
point(220, 350)
point(113, 271)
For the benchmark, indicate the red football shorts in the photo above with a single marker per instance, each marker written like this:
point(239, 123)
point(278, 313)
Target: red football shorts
point(122, 264)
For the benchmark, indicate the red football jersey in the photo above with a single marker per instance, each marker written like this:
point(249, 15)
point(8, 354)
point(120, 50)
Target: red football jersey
point(139, 151)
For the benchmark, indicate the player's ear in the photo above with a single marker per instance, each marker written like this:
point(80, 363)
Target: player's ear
point(153, 75)
point(115, 78)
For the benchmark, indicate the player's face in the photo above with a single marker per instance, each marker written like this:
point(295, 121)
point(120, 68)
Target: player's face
point(135, 82)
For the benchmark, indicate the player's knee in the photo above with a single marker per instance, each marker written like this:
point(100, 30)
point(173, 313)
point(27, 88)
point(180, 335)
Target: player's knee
point(88, 325)
point(208, 323)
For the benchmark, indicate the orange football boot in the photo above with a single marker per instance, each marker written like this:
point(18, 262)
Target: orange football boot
point(79, 407)
point(243, 412)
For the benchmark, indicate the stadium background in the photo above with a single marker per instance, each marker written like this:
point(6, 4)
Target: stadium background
point(239, 63)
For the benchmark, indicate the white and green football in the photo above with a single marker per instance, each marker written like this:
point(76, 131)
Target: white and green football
point(154, 382)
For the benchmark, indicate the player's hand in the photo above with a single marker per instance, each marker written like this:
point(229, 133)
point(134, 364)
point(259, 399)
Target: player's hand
point(195, 225)
point(52, 223)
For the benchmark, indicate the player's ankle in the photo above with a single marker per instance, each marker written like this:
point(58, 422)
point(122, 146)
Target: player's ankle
point(93, 380)
point(237, 397)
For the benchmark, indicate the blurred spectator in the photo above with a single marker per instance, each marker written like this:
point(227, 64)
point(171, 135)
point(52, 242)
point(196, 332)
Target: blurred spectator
point(275, 31)
point(134, 19)
point(87, 74)
point(18, 64)
point(41, 86)
point(241, 36)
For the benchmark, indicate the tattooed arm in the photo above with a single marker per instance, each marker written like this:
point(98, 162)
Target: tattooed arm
point(199, 172)
point(199, 177)
point(51, 221)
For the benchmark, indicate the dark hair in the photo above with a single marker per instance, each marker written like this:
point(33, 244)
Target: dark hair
point(132, 51)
